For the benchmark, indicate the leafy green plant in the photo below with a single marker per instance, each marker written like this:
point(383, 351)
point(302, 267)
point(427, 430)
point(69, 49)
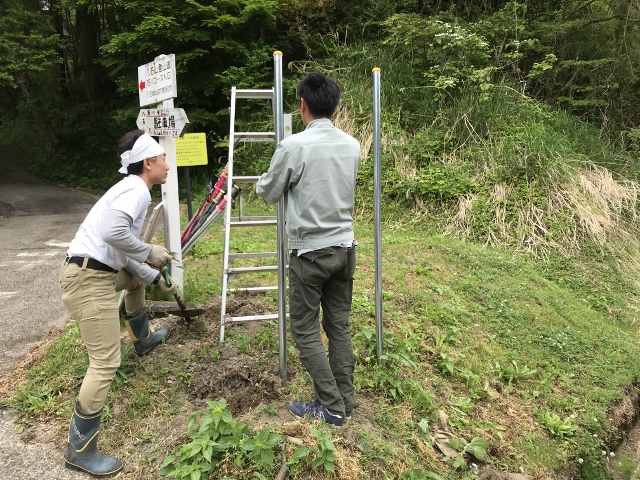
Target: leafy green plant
point(260, 448)
point(321, 455)
point(512, 372)
point(271, 410)
point(324, 451)
point(186, 378)
point(34, 400)
point(560, 427)
point(217, 436)
point(477, 448)
point(417, 474)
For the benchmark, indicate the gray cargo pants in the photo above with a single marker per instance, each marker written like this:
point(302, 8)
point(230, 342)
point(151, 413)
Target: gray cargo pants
point(324, 278)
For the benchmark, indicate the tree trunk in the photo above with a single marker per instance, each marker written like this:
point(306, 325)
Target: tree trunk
point(87, 27)
point(39, 117)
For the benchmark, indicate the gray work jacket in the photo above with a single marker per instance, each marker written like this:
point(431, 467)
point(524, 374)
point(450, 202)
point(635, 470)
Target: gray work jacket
point(316, 171)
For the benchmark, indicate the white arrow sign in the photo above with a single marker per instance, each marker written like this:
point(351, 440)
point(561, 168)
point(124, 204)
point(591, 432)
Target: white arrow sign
point(162, 122)
point(157, 80)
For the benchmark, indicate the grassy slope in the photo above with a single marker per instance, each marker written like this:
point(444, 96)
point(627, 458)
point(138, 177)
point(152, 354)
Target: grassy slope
point(500, 343)
point(532, 355)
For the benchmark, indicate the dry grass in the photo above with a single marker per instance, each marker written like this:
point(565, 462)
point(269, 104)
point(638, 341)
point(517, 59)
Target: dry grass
point(460, 224)
point(605, 207)
point(345, 121)
point(594, 205)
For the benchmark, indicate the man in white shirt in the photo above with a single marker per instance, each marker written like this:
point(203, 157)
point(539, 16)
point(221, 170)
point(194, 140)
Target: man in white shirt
point(104, 257)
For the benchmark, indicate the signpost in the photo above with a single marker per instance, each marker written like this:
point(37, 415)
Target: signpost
point(162, 122)
point(191, 150)
point(157, 85)
point(157, 80)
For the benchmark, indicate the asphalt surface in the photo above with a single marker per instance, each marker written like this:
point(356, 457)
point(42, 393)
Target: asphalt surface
point(37, 222)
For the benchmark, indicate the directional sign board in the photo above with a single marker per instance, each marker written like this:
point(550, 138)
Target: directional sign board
point(157, 80)
point(162, 122)
point(191, 150)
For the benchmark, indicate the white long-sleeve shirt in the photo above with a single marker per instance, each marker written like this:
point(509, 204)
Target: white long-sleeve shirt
point(110, 232)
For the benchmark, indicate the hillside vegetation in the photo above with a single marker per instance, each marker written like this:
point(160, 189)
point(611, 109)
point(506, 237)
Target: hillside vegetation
point(510, 239)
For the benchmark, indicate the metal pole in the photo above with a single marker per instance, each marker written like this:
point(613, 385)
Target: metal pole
point(278, 120)
point(227, 214)
point(377, 211)
point(187, 184)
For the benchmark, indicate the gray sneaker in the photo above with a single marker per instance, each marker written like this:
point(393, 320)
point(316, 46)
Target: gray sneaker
point(317, 411)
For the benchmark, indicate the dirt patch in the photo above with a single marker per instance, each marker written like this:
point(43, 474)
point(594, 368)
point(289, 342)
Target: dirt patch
point(245, 380)
point(624, 415)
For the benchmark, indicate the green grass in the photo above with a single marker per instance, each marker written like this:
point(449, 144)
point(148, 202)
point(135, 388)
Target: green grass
point(488, 331)
point(527, 354)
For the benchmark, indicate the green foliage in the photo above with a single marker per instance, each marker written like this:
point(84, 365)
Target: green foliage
point(477, 448)
point(560, 427)
point(417, 474)
point(511, 372)
point(260, 449)
point(27, 44)
point(216, 437)
point(449, 53)
point(324, 451)
point(387, 376)
point(63, 366)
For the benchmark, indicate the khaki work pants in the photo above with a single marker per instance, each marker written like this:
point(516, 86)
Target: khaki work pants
point(90, 297)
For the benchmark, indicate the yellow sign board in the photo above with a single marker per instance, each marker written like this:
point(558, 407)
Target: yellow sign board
point(191, 150)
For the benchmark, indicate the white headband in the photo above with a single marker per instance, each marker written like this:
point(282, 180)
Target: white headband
point(144, 147)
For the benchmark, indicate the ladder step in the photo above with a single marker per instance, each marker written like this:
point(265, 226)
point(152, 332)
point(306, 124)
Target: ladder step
point(251, 218)
point(252, 289)
point(265, 268)
point(254, 93)
point(248, 318)
point(234, 256)
point(249, 179)
point(253, 223)
point(254, 137)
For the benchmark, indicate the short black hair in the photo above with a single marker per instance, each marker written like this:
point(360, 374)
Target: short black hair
point(126, 143)
point(320, 93)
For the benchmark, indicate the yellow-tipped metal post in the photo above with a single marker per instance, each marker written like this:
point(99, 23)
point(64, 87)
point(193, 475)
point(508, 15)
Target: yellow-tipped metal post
point(278, 117)
point(377, 210)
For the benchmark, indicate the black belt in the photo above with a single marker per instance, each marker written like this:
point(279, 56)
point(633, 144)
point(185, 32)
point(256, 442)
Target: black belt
point(91, 263)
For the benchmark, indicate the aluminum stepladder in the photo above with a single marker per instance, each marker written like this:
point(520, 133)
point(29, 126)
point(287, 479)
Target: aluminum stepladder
point(274, 94)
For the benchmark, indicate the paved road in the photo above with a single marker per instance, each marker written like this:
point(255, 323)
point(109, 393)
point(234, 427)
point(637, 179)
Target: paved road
point(37, 221)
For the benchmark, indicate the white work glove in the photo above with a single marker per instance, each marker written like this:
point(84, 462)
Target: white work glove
point(165, 287)
point(159, 257)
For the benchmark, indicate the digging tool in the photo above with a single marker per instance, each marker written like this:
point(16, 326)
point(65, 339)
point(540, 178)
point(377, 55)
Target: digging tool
point(183, 312)
point(193, 312)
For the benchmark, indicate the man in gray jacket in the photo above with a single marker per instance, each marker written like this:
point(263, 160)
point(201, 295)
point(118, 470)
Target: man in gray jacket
point(316, 171)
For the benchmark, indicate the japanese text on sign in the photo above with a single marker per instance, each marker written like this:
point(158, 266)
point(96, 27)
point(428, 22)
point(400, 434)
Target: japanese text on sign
point(157, 80)
point(191, 150)
point(162, 122)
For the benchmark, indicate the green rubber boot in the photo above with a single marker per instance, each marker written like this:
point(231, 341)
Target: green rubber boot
point(82, 449)
point(144, 340)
